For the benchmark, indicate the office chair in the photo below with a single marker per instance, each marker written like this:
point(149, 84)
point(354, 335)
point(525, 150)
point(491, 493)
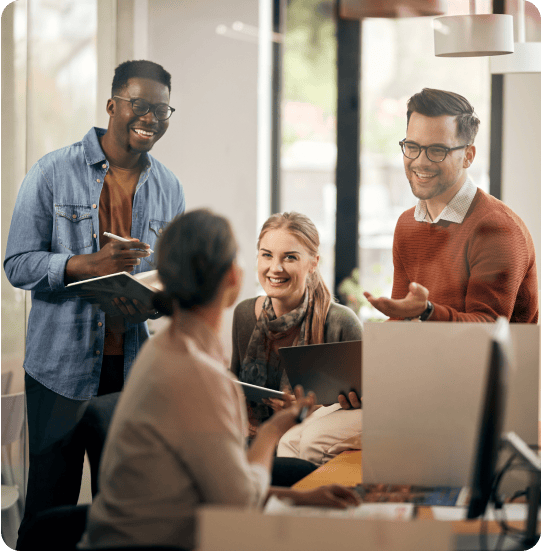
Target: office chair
point(13, 417)
point(58, 528)
point(61, 528)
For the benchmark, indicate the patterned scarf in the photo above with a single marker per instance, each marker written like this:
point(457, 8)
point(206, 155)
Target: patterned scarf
point(261, 365)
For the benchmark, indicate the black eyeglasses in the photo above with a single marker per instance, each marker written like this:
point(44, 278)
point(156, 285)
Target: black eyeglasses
point(435, 153)
point(141, 107)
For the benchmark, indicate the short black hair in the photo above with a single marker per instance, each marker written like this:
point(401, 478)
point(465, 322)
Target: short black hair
point(434, 103)
point(139, 69)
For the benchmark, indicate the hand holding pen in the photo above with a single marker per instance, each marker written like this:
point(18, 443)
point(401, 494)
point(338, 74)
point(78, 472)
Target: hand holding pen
point(122, 239)
point(125, 240)
point(119, 255)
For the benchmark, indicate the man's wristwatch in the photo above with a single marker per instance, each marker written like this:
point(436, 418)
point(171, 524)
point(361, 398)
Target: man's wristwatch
point(428, 312)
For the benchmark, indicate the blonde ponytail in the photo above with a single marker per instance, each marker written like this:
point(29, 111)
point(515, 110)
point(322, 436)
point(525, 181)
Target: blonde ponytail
point(322, 302)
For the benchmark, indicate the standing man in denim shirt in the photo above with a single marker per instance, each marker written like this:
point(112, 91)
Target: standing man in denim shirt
point(74, 351)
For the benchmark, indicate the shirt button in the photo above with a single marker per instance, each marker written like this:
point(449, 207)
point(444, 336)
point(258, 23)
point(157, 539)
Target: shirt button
point(104, 166)
point(98, 180)
point(160, 230)
point(99, 325)
point(74, 216)
point(95, 236)
point(97, 352)
point(93, 206)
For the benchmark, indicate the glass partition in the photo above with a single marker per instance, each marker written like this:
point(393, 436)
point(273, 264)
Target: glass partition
point(49, 74)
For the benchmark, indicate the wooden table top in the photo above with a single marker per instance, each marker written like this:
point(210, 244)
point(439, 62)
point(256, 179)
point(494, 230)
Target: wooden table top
point(346, 469)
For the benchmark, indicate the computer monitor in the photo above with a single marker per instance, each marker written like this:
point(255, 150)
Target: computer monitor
point(491, 421)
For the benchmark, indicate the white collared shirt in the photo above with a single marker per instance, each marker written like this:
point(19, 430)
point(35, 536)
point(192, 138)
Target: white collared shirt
point(455, 210)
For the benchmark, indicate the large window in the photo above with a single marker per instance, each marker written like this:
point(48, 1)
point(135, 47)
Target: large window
point(49, 74)
point(397, 60)
point(309, 121)
point(49, 79)
point(62, 73)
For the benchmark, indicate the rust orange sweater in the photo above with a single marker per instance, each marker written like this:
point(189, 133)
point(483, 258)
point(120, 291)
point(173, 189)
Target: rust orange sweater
point(474, 271)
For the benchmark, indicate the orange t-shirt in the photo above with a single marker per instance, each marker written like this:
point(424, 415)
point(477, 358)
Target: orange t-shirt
point(115, 214)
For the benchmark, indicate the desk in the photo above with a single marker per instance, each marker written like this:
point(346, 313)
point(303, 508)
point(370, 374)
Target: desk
point(346, 469)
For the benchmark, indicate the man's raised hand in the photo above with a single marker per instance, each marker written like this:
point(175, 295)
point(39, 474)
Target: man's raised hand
point(412, 306)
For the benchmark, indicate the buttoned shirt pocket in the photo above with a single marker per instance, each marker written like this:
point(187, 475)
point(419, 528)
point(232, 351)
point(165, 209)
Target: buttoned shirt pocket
point(74, 226)
point(157, 227)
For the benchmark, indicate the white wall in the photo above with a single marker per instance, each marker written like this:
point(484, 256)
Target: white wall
point(521, 162)
point(211, 144)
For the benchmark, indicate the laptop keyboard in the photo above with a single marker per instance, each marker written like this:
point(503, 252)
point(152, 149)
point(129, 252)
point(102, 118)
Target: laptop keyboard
point(407, 493)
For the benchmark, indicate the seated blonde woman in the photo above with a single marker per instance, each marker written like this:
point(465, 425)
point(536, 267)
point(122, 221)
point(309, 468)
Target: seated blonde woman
point(298, 309)
point(177, 437)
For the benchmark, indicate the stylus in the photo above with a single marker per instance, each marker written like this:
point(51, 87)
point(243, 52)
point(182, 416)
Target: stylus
point(118, 238)
point(302, 414)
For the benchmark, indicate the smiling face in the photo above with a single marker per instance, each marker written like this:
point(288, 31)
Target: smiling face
point(427, 179)
point(129, 132)
point(283, 266)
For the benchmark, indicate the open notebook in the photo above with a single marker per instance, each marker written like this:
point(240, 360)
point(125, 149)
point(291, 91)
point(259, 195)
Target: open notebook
point(104, 289)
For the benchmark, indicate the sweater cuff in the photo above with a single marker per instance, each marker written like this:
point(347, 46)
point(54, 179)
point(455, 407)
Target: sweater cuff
point(440, 313)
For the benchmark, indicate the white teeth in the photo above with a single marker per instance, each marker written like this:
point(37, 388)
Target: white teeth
point(143, 132)
point(421, 175)
point(273, 280)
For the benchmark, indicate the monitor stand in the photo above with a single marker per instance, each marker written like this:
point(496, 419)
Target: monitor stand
point(514, 441)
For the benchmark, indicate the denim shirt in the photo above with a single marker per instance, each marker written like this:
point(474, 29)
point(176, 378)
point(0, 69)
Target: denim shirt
point(55, 218)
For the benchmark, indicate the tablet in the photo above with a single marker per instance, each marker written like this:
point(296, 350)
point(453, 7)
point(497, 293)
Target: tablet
point(257, 393)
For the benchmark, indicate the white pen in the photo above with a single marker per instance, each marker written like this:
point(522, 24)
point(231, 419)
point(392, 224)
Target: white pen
point(118, 238)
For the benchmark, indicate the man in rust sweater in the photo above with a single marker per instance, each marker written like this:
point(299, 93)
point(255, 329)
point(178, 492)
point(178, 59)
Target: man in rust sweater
point(466, 250)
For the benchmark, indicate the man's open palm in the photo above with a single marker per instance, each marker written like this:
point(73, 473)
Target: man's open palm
point(413, 305)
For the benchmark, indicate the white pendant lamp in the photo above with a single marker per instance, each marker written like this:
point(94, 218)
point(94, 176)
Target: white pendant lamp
point(357, 9)
point(473, 35)
point(527, 56)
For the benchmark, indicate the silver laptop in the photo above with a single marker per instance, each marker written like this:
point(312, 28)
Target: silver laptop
point(326, 369)
point(422, 396)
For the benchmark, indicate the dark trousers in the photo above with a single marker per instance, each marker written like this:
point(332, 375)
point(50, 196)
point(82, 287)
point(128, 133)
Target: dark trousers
point(56, 448)
point(288, 470)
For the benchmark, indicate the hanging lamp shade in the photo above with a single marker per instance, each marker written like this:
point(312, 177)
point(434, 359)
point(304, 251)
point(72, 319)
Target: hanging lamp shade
point(527, 55)
point(473, 35)
point(357, 9)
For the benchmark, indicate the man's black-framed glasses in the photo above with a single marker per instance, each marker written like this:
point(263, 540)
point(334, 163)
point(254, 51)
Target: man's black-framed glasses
point(141, 107)
point(435, 153)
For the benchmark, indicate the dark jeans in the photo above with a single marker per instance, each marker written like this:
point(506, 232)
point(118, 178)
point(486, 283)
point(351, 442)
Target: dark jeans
point(56, 448)
point(288, 470)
